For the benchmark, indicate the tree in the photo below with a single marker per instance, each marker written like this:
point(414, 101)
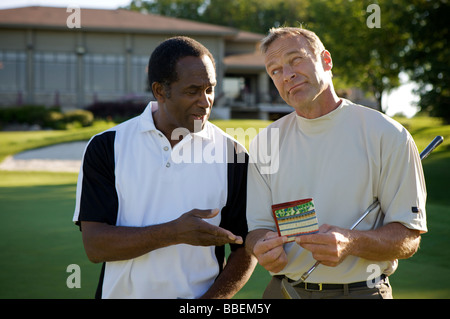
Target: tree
point(249, 15)
point(184, 9)
point(255, 15)
point(427, 52)
point(412, 36)
point(364, 55)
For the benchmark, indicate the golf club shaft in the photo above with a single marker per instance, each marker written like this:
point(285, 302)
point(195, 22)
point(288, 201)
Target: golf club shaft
point(434, 143)
point(424, 154)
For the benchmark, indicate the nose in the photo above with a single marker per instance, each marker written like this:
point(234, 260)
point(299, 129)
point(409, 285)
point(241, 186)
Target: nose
point(205, 100)
point(288, 74)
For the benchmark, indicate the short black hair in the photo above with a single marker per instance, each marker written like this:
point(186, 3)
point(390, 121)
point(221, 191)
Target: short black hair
point(163, 60)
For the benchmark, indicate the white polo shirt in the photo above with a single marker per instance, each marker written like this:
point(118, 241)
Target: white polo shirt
point(343, 161)
point(131, 176)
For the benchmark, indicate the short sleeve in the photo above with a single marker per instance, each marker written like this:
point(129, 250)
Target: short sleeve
point(402, 190)
point(259, 195)
point(97, 198)
point(234, 216)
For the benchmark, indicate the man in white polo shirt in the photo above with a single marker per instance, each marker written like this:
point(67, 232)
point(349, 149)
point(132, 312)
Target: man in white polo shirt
point(343, 156)
point(160, 195)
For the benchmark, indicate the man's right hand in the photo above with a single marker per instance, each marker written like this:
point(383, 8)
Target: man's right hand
point(191, 229)
point(105, 242)
point(270, 252)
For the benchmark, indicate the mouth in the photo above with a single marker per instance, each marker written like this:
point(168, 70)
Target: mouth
point(200, 117)
point(294, 87)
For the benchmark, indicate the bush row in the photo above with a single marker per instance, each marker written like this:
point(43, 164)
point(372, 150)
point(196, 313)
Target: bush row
point(117, 111)
point(53, 118)
point(45, 117)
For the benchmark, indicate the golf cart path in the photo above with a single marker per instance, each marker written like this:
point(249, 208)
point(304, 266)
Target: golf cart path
point(64, 157)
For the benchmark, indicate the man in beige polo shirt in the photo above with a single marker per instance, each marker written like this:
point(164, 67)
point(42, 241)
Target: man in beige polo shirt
point(343, 156)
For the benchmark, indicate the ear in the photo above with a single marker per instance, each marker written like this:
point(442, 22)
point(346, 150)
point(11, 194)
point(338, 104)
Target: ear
point(326, 60)
point(158, 91)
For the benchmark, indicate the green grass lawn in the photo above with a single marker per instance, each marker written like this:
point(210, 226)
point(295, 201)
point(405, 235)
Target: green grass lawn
point(15, 142)
point(39, 239)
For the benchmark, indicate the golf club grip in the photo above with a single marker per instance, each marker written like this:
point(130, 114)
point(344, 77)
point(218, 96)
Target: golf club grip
point(434, 143)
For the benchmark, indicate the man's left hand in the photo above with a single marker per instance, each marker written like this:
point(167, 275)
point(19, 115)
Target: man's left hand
point(330, 245)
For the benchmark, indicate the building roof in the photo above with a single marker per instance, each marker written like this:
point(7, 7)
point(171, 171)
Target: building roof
point(245, 36)
point(247, 61)
point(108, 21)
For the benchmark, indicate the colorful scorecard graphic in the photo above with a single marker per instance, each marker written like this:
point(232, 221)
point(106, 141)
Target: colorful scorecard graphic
point(295, 218)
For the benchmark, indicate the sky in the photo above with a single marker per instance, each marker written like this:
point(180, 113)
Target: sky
point(93, 4)
point(400, 100)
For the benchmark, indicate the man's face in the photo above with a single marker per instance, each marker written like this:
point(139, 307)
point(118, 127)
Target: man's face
point(298, 74)
point(191, 97)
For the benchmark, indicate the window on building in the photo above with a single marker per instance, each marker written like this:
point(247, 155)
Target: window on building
point(104, 73)
point(55, 72)
point(12, 71)
point(139, 82)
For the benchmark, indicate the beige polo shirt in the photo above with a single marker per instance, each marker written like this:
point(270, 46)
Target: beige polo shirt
point(343, 161)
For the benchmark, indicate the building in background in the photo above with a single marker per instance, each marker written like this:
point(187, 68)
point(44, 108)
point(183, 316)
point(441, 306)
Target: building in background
point(46, 59)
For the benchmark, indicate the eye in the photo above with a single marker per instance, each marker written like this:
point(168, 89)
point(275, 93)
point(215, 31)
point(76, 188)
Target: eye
point(275, 72)
point(191, 92)
point(297, 60)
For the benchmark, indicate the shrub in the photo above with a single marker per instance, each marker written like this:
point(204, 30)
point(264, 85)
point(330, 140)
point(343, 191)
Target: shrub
point(118, 111)
point(54, 120)
point(27, 114)
point(84, 117)
point(45, 117)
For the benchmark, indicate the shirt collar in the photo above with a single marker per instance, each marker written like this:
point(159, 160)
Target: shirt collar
point(146, 122)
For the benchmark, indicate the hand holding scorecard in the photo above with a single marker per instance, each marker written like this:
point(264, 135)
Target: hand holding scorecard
point(295, 218)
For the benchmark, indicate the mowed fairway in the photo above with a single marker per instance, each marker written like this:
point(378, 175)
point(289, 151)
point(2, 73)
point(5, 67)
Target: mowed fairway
point(39, 240)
